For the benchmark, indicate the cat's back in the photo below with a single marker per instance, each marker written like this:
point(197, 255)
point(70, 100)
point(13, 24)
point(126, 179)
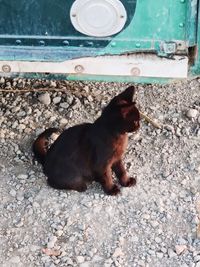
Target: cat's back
point(69, 140)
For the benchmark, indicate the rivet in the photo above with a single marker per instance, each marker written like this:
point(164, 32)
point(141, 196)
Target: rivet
point(182, 1)
point(18, 42)
point(135, 71)
point(65, 42)
point(6, 68)
point(73, 15)
point(122, 16)
point(181, 25)
point(90, 43)
point(42, 43)
point(113, 44)
point(138, 45)
point(79, 68)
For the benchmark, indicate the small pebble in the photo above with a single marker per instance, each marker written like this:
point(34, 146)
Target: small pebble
point(192, 113)
point(51, 242)
point(15, 260)
point(53, 84)
point(171, 253)
point(118, 252)
point(45, 99)
point(80, 259)
point(13, 192)
point(56, 100)
point(180, 249)
point(64, 105)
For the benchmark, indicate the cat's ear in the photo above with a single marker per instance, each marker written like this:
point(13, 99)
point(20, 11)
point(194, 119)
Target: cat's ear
point(126, 110)
point(125, 98)
point(130, 109)
point(127, 95)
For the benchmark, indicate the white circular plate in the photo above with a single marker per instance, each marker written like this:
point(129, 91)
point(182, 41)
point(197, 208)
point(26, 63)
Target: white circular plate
point(99, 18)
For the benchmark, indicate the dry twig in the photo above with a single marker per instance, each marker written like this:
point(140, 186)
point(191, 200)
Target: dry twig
point(150, 120)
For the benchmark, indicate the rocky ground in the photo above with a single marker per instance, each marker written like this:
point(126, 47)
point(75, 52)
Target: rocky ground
point(153, 224)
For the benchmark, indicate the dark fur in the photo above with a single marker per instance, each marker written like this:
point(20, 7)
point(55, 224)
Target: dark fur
point(91, 151)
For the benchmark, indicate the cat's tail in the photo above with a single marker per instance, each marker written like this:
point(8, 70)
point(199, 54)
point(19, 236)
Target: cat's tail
point(43, 142)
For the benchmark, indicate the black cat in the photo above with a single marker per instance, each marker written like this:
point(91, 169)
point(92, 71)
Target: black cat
point(91, 151)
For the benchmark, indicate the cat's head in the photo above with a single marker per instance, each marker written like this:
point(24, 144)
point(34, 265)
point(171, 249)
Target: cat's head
point(122, 112)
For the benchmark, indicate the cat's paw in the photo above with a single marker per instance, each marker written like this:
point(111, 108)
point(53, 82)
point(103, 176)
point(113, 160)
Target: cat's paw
point(114, 190)
point(129, 182)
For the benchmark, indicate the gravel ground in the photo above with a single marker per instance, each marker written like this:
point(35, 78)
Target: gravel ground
point(155, 224)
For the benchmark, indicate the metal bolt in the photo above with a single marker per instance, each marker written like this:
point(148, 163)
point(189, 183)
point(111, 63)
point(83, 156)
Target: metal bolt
point(89, 43)
point(135, 71)
point(42, 43)
point(138, 45)
point(181, 25)
point(65, 42)
point(113, 44)
point(182, 1)
point(73, 15)
point(79, 68)
point(18, 42)
point(169, 47)
point(6, 68)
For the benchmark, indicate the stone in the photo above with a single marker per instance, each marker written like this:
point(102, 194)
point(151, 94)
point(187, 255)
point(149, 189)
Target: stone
point(80, 259)
point(90, 98)
point(53, 84)
point(159, 255)
point(141, 263)
point(154, 224)
point(64, 105)
point(197, 258)
point(13, 192)
point(51, 242)
point(56, 100)
point(2, 80)
point(63, 122)
point(192, 113)
point(20, 196)
point(59, 233)
point(158, 240)
point(21, 126)
point(15, 260)
point(86, 264)
point(22, 176)
point(180, 249)
point(169, 128)
point(45, 99)
point(118, 252)
point(171, 253)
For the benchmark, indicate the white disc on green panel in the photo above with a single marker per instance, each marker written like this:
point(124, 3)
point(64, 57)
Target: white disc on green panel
point(98, 18)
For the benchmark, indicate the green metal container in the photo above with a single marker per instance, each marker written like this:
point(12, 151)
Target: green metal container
point(110, 40)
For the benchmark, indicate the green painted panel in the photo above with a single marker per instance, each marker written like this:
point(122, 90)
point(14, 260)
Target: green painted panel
point(154, 22)
point(195, 70)
point(118, 79)
point(161, 19)
point(192, 22)
point(40, 30)
point(47, 23)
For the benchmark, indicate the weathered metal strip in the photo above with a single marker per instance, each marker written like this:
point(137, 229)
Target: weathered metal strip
point(137, 65)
